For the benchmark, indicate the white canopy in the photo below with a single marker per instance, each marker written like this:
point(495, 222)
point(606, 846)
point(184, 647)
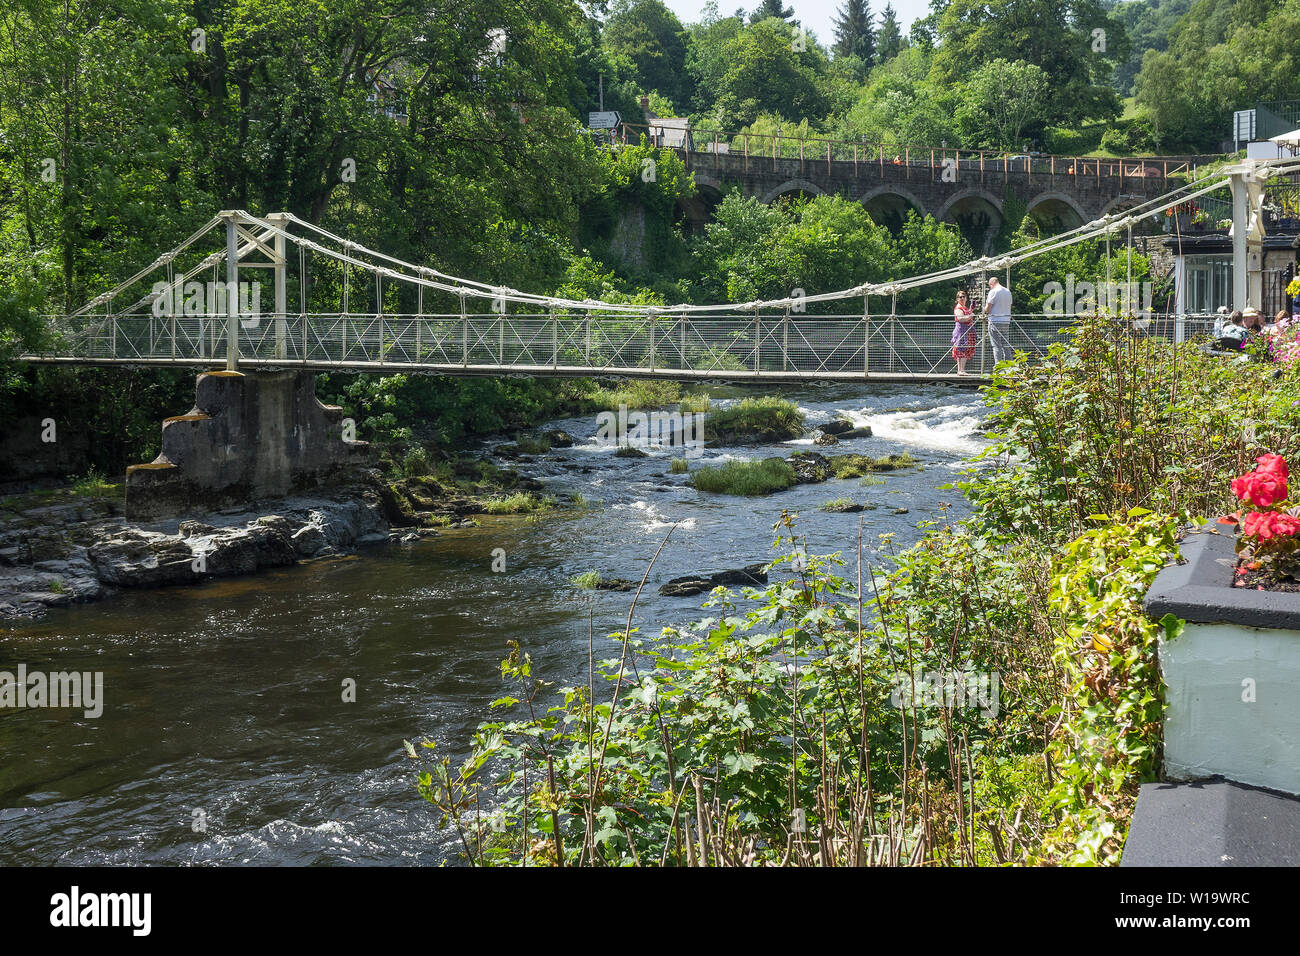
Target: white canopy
point(1291, 139)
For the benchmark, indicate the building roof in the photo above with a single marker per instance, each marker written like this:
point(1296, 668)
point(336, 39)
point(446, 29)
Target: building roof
point(1201, 242)
point(670, 131)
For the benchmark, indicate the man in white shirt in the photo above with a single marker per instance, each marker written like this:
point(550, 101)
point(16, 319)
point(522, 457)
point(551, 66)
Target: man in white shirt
point(998, 308)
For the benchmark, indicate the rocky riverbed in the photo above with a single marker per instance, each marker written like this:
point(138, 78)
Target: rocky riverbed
point(85, 549)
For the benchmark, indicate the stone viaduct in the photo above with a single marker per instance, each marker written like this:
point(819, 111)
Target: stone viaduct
point(973, 191)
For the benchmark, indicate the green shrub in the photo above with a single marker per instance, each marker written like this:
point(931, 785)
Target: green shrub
point(532, 445)
point(755, 421)
point(855, 466)
point(1113, 707)
point(94, 485)
point(694, 404)
point(748, 478)
point(415, 462)
point(522, 502)
point(679, 466)
point(587, 581)
point(635, 394)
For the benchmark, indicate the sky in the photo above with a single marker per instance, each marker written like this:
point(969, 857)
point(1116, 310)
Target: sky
point(818, 16)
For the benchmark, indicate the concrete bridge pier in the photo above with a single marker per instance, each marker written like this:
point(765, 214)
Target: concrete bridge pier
point(250, 436)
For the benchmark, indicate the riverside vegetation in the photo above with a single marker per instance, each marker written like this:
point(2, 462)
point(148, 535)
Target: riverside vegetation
point(827, 720)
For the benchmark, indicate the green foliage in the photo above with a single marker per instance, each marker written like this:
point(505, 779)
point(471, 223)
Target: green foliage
point(856, 466)
point(94, 485)
point(586, 581)
point(1115, 420)
point(747, 478)
point(521, 502)
point(762, 420)
point(650, 37)
point(1003, 100)
point(1224, 55)
point(1114, 696)
point(855, 36)
point(679, 466)
point(765, 73)
point(694, 404)
point(1053, 37)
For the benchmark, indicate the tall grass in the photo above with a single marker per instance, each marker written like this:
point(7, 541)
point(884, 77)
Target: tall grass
point(748, 478)
point(765, 419)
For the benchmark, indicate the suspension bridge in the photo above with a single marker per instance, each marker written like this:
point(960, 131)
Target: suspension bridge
point(193, 307)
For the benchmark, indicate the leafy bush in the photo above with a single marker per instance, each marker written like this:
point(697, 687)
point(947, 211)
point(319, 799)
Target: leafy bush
point(1110, 738)
point(747, 478)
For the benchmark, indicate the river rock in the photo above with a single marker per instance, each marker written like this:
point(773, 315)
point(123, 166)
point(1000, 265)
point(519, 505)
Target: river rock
point(845, 509)
point(862, 431)
point(309, 541)
point(558, 438)
point(630, 451)
point(616, 584)
point(749, 574)
point(837, 426)
point(133, 558)
point(899, 511)
point(693, 584)
point(826, 438)
point(686, 586)
point(810, 467)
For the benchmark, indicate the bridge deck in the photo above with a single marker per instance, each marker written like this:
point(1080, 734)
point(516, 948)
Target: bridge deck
point(734, 348)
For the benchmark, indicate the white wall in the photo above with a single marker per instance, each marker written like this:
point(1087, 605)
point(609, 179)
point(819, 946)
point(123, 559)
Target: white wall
point(1211, 726)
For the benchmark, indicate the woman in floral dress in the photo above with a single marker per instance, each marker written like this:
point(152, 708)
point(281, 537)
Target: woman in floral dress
point(963, 333)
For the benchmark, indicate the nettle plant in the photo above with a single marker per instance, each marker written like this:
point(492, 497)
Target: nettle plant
point(1271, 527)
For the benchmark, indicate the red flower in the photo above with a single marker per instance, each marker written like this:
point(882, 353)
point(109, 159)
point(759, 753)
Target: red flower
point(1286, 525)
point(1267, 524)
point(1262, 489)
point(1273, 465)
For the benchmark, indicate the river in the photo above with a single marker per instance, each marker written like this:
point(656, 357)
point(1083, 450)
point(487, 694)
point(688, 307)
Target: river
point(225, 737)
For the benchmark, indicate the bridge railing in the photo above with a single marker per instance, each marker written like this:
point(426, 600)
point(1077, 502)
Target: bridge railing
point(735, 346)
point(885, 158)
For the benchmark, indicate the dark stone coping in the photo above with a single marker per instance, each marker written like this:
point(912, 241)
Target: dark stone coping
point(1200, 590)
point(1213, 822)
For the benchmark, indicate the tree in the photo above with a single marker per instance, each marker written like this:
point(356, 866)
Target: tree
point(771, 8)
point(706, 54)
point(1225, 55)
point(1054, 35)
point(766, 73)
point(901, 106)
point(854, 35)
point(649, 36)
point(889, 39)
point(1002, 101)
